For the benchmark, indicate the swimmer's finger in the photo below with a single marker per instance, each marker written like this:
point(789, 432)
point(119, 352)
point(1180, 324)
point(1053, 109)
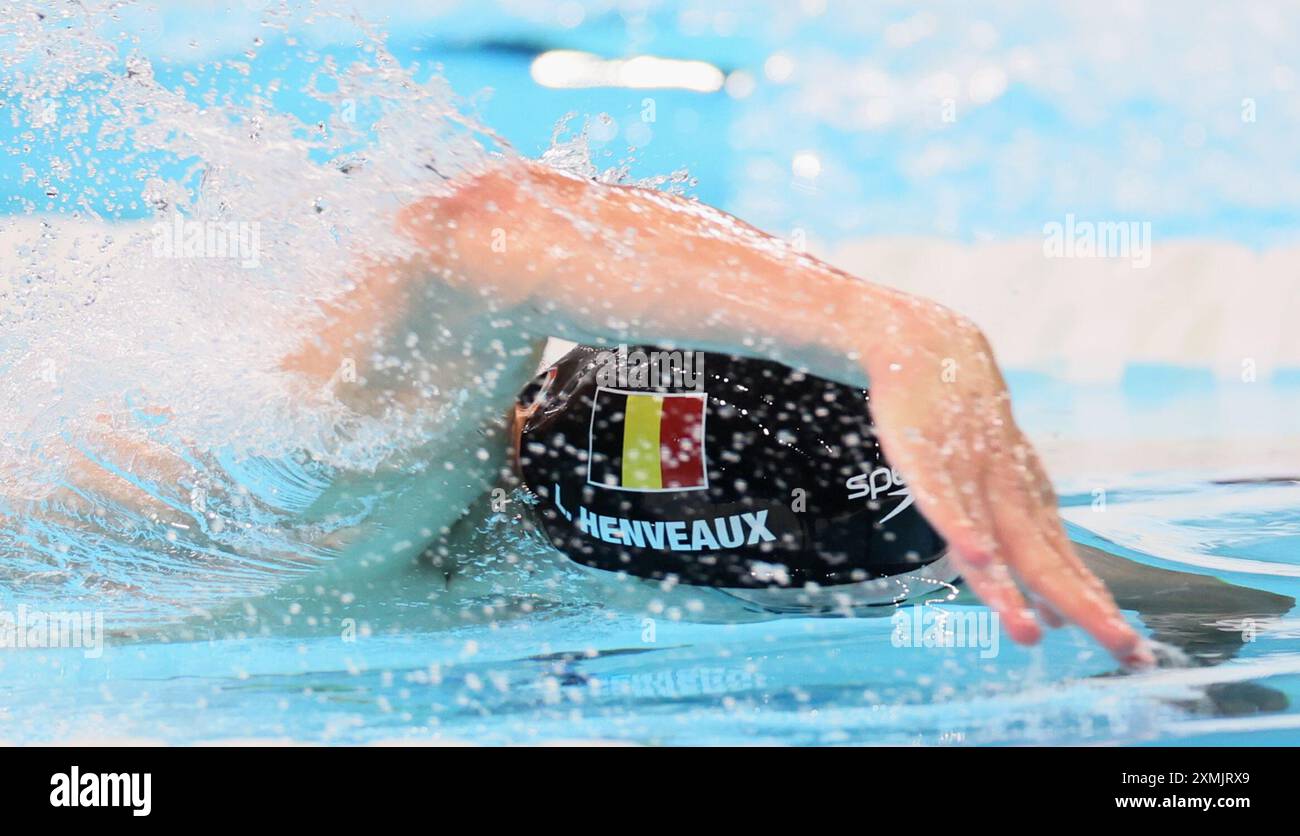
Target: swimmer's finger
point(996, 584)
point(1048, 613)
point(959, 516)
point(996, 588)
point(1049, 574)
point(962, 526)
point(1060, 543)
point(1041, 486)
point(1098, 614)
point(1095, 613)
point(1052, 561)
point(1030, 484)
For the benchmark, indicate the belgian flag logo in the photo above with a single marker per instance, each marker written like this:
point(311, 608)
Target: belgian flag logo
point(647, 442)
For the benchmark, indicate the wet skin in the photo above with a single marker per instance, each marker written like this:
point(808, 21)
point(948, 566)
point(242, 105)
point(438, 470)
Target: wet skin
point(444, 336)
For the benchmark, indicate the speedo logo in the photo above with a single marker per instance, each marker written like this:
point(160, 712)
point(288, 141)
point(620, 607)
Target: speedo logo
point(727, 532)
point(883, 481)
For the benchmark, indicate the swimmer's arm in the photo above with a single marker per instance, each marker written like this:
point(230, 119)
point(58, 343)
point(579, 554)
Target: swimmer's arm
point(556, 255)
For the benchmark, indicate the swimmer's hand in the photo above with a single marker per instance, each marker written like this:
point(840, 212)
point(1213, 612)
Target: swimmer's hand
point(564, 256)
point(944, 417)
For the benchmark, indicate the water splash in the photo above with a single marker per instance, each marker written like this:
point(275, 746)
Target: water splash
point(572, 152)
point(190, 225)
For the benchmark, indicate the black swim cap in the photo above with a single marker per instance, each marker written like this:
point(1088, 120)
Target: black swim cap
point(719, 470)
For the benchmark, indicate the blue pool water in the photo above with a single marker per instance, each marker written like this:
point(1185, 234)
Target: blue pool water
point(577, 669)
point(1105, 124)
point(582, 672)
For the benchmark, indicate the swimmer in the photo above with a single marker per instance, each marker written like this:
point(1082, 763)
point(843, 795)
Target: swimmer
point(517, 253)
point(717, 482)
